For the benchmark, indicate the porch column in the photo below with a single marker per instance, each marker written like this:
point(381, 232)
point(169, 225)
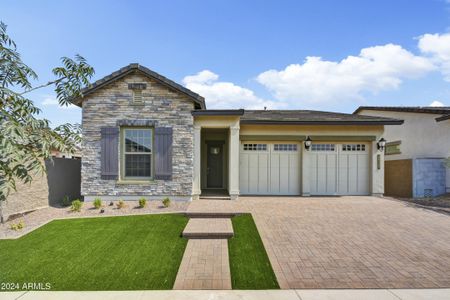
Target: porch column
point(377, 170)
point(196, 189)
point(233, 163)
point(306, 160)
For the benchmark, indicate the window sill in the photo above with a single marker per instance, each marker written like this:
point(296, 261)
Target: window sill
point(149, 181)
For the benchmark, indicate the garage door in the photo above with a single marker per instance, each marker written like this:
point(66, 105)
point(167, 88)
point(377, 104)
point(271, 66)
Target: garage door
point(269, 168)
point(339, 169)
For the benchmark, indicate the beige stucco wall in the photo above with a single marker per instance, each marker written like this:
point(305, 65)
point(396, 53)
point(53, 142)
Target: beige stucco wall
point(232, 125)
point(240, 130)
point(420, 135)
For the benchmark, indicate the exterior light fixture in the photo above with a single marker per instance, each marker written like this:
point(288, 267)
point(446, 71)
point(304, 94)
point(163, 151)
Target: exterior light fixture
point(308, 143)
point(381, 144)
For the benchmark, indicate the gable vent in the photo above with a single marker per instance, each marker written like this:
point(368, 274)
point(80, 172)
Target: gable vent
point(137, 96)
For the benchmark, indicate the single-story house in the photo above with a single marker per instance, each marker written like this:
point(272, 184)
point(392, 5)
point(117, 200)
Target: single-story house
point(147, 136)
point(416, 150)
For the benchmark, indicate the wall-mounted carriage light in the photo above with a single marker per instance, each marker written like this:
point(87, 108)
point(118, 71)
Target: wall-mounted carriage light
point(381, 144)
point(308, 143)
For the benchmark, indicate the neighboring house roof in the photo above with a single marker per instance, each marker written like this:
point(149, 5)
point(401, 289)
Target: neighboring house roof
point(300, 117)
point(443, 118)
point(198, 100)
point(438, 110)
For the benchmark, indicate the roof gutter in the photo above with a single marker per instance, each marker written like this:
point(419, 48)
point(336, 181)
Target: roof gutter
point(267, 122)
point(218, 112)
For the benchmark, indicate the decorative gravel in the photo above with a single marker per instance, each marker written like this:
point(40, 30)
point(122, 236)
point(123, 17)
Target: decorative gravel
point(40, 217)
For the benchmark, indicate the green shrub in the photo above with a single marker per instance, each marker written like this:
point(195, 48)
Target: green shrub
point(97, 203)
point(142, 202)
point(166, 202)
point(76, 205)
point(120, 204)
point(21, 225)
point(65, 201)
point(17, 226)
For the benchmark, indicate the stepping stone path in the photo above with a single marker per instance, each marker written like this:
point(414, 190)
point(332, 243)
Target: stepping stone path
point(205, 263)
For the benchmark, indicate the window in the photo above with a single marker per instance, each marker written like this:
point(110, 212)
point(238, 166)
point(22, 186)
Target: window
point(393, 148)
point(255, 147)
point(322, 147)
point(353, 147)
point(285, 147)
point(137, 154)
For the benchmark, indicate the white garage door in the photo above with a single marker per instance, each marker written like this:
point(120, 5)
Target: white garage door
point(339, 169)
point(269, 168)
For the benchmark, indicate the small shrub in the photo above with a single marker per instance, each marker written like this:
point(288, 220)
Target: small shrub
point(97, 203)
point(65, 201)
point(120, 204)
point(76, 205)
point(166, 202)
point(17, 226)
point(20, 225)
point(142, 202)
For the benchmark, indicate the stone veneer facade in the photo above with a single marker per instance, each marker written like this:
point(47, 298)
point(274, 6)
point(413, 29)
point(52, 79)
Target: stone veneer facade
point(164, 106)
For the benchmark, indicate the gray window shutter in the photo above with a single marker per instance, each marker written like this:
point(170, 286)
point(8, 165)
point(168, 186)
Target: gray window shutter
point(110, 153)
point(163, 153)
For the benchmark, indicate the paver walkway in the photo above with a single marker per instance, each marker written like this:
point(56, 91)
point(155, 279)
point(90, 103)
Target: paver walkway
point(208, 228)
point(204, 266)
point(205, 263)
point(348, 242)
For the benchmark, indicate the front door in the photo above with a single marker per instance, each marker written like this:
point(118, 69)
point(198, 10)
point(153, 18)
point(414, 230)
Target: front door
point(214, 165)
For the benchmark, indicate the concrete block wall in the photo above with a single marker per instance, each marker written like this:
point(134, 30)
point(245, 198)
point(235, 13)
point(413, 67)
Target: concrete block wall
point(429, 177)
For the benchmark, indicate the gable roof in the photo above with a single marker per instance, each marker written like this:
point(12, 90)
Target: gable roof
point(134, 67)
point(444, 111)
point(312, 117)
point(439, 110)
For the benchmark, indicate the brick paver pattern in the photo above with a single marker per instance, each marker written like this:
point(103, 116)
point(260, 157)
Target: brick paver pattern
point(209, 226)
point(204, 266)
point(349, 242)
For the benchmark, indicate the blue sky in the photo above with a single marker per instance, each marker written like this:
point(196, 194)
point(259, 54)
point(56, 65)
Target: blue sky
point(328, 55)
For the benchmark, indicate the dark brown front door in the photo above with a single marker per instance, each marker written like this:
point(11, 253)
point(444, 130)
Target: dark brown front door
point(214, 165)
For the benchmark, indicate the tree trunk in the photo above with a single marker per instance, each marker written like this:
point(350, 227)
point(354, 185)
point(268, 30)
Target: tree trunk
point(2, 220)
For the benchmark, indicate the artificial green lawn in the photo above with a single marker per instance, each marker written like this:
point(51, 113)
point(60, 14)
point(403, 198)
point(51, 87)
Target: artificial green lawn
point(108, 253)
point(249, 265)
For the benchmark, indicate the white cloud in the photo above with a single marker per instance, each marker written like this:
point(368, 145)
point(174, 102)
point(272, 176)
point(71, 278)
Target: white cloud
point(437, 104)
point(52, 101)
point(437, 46)
point(221, 94)
point(319, 81)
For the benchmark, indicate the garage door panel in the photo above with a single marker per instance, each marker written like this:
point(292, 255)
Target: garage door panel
point(244, 173)
point(331, 175)
point(342, 169)
point(363, 174)
point(275, 174)
point(273, 169)
point(294, 174)
point(263, 173)
point(352, 174)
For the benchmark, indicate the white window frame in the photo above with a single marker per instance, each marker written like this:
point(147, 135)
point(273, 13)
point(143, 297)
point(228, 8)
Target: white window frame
point(124, 153)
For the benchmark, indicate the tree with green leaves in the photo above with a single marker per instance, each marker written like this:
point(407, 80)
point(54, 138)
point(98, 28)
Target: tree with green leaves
point(26, 140)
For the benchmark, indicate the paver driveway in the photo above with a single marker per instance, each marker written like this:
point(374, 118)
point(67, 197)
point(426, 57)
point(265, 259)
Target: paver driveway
point(348, 242)
point(353, 242)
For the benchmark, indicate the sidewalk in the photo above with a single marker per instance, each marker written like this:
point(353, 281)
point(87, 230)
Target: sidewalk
point(366, 294)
